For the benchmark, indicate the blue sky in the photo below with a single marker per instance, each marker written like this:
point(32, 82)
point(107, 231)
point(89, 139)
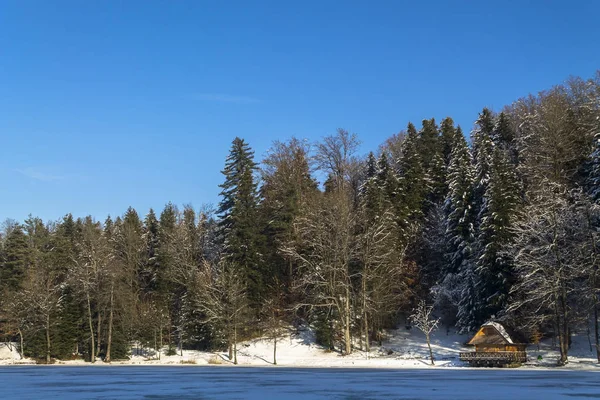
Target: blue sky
point(107, 104)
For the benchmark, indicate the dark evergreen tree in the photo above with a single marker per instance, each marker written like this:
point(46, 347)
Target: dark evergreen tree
point(483, 151)
point(459, 207)
point(438, 184)
point(237, 210)
point(149, 277)
point(494, 268)
point(387, 181)
point(429, 143)
point(448, 139)
point(67, 335)
point(16, 259)
point(454, 292)
point(412, 176)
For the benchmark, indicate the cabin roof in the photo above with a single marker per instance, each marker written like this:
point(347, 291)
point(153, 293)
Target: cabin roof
point(493, 333)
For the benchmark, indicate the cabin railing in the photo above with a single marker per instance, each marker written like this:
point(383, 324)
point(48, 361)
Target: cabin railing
point(507, 356)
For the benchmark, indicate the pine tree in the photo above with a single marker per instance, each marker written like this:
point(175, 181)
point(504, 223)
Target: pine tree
point(449, 136)
point(16, 259)
point(67, 335)
point(438, 184)
point(149, 277)
point(166, 247)
point(429, 143)
point(387, 181)
point(503, 135)
point(459, 207)
point(456, 283)
point(501, 201)
point(483, 150)
point(412, 175)
point(238, 212)
point(379, 191)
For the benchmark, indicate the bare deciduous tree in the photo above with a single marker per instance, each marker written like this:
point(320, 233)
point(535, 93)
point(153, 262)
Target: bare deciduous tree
point(381, 257)
point(324, 251)
point(334, 155)
point(425, 322)
point(547, 256)
point(220, 294)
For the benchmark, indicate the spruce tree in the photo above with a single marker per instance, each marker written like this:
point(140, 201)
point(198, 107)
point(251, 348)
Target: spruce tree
point(380, 187)
point(459, 207)
point(483, 151)
point(448, 139)
point(237, 211)
point(387, 181)
point(16, 259)
point(429, 143)
point(67, 335)
point(500, 206)
point(413, 179)
point(457, 282)
point(149, 277)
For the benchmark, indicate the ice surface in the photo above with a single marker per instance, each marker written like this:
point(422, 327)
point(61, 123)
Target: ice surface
point(103, 382)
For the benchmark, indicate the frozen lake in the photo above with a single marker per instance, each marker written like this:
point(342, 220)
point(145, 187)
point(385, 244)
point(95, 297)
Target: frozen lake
point(281, 383)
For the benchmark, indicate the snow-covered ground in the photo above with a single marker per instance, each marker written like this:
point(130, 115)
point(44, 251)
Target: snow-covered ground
point(402, 349)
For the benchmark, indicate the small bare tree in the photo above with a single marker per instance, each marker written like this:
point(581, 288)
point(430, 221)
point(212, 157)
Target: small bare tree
point(272, 318)
point(220, 294)
point(425, 322)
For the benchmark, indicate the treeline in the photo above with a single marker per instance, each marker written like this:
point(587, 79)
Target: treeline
point(505, 226)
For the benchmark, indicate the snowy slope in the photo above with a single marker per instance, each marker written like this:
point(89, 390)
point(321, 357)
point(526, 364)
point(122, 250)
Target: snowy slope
point(10, 355)
point(402, 349)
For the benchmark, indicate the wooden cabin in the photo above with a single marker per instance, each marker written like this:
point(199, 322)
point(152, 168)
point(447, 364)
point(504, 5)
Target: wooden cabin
point(495, 347)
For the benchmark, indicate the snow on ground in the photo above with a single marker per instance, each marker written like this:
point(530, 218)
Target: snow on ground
point(402, 348)
point(10, 355)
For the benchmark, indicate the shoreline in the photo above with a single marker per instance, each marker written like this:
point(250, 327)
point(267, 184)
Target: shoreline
point(525, 368)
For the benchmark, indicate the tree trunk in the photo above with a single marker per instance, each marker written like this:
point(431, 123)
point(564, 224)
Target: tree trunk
point(160, 334)
point(98, 340)
point(562, 328)
point(364, 330)
point(155, 341)
point(110, 325)
point(596, 332)
point(21, 351)
point(367, 342)
point(235, 344)
point(430, 351)
point(275, 350)
point(91, 326)
point(347, 338)
point(180, 343)
point(48, 338)
point(589, 335)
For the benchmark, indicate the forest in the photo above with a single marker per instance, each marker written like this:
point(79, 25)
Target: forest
point(499, 223)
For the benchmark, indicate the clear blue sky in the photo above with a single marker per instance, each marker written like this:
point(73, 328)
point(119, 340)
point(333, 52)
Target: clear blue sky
point(106, 104)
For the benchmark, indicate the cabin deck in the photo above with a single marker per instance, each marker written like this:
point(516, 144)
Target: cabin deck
point(494, 359)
